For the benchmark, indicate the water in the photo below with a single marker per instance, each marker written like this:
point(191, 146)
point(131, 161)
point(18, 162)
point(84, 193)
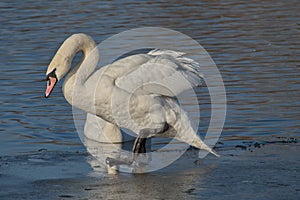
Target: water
point(255, 46)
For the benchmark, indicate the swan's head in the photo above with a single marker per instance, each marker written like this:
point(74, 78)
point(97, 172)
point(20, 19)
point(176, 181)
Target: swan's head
point(51, 82)
point(61, 62)
point(57, 69)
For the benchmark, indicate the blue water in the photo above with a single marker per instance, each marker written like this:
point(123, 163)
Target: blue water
point(254, 44)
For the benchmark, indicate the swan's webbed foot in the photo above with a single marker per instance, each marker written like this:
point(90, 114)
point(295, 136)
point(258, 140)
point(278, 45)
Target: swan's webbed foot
point(135, 162)
point(116, 162)
point(138, 148)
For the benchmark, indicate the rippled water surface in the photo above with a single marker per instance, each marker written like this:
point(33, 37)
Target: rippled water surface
point(254, 44)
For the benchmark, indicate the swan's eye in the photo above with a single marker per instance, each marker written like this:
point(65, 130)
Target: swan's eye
point(51, 74)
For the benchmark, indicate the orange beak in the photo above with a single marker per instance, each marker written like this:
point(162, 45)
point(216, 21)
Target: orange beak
point(51, 81)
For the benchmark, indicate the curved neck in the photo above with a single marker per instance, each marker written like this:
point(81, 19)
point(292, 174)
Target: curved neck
point(67, 51)
point(74, 82)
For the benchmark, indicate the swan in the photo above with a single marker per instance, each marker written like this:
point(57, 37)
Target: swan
point(154, 112)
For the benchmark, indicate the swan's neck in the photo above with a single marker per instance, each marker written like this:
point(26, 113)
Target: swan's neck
point(74, 82)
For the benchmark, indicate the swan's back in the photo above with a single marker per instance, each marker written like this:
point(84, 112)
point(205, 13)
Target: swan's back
point(161, 72)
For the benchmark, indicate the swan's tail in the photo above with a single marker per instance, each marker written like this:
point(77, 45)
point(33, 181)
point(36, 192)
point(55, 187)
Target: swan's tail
point(198, 143)
point(179, 121)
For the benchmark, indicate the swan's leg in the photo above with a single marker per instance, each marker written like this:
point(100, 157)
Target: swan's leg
point(140, 142)
point(138, 148)
point(139, 145)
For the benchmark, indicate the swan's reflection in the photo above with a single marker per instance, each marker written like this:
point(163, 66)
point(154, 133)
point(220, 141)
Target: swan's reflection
point(104, 140)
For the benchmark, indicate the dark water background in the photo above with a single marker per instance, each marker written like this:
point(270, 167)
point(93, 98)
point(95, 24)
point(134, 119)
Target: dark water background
point(254, 44)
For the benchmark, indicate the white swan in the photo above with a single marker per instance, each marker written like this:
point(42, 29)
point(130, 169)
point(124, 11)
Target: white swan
point(108, 92)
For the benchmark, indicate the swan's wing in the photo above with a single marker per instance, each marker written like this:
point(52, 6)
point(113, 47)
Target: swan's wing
point(126, 65)
point(166, 73)
point(118, 68)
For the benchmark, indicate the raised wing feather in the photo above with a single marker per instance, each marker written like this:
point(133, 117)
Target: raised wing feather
point(166, 73)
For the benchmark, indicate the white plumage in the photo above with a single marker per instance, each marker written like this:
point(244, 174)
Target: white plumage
point(135, 92)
